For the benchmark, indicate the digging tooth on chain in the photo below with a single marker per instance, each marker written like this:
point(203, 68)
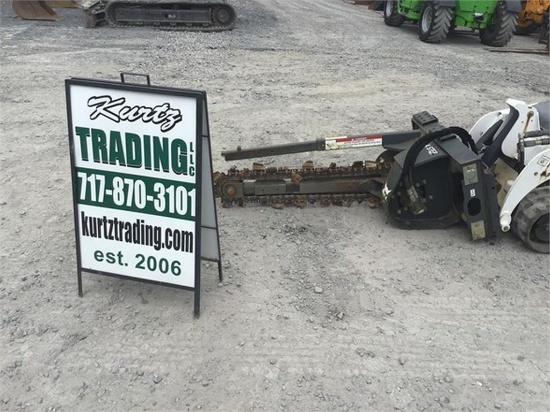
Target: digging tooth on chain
point(280, 186)
point(300, 201)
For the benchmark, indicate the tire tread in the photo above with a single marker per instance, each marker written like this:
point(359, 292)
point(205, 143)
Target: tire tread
point(440, 26)
point(504, 29)
point(529, 210)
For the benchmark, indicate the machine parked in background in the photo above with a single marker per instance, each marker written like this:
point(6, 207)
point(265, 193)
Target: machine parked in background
point(188, 15)
point(495, 20)
point(41, 10)
point(534, 14)
point(531, 16)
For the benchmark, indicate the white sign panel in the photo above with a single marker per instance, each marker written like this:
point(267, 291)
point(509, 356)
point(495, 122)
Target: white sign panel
point(135, 154)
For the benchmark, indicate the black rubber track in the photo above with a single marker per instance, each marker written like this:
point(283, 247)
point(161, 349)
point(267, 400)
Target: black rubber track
point(164, 8)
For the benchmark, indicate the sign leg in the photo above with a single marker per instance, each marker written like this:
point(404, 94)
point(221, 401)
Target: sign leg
point(220, 271)
point(79, 280)
point(197, 310)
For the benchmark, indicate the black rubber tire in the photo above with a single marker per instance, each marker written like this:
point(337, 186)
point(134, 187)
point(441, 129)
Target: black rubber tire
point(526, 30)
point(391, 16)
point(501, 28)
point(544, 35)
point(435, 22)
point(530, 222)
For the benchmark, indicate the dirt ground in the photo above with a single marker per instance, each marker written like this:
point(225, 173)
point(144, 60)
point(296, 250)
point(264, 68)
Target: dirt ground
point(329, 309)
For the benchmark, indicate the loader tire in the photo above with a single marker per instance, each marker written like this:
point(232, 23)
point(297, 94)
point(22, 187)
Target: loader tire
point(435, 22)
point(527, 29)
point(501, 28)
point(544, 36)
point(531, 220)
point(391, 16)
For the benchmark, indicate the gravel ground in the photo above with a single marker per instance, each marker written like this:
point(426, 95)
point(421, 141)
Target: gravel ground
point(329, 309)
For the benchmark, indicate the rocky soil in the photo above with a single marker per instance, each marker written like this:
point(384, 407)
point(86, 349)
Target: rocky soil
point(329, 309)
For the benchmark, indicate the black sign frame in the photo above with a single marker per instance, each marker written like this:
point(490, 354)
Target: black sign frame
point(202, 137)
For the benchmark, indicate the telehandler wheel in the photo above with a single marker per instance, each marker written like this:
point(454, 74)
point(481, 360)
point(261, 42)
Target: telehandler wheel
point(544, 36)
point(527, 29)
point(501, 28)
point(391, 16)
point(435, 22)
point(531, 222)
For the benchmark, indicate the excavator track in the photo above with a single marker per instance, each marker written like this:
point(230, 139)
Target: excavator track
point(170, 15)
point(333, 185)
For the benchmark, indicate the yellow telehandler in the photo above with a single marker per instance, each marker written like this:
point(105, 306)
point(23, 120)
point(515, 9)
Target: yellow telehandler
point(531, 16)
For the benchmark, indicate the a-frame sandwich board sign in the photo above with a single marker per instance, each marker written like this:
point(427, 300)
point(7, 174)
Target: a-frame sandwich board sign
point(143, 193)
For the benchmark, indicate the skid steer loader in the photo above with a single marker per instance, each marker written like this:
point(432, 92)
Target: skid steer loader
point(494, 178)
point(495, 20)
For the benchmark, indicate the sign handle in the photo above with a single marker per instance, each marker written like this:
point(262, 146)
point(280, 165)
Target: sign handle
point(124, 74)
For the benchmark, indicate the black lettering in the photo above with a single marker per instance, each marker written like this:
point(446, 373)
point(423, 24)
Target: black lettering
point(99, 224)
point(148, 238)
point(187, 241)
point(163, 114)
point(147, 114)
point(84, 220)
point(177, 240)
point(168, 240)
point(105, 231)
point(93, 227)
point(129, 113)
point(158, 237)
point(120, 227)
point(137, 232)
point(128, 232)
point(111, 227)
point(102, 105)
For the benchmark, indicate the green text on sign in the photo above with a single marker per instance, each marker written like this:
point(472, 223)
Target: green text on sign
point(133, 150)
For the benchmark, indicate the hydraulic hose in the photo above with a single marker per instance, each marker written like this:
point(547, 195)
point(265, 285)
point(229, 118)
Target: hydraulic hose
point(465, 137)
